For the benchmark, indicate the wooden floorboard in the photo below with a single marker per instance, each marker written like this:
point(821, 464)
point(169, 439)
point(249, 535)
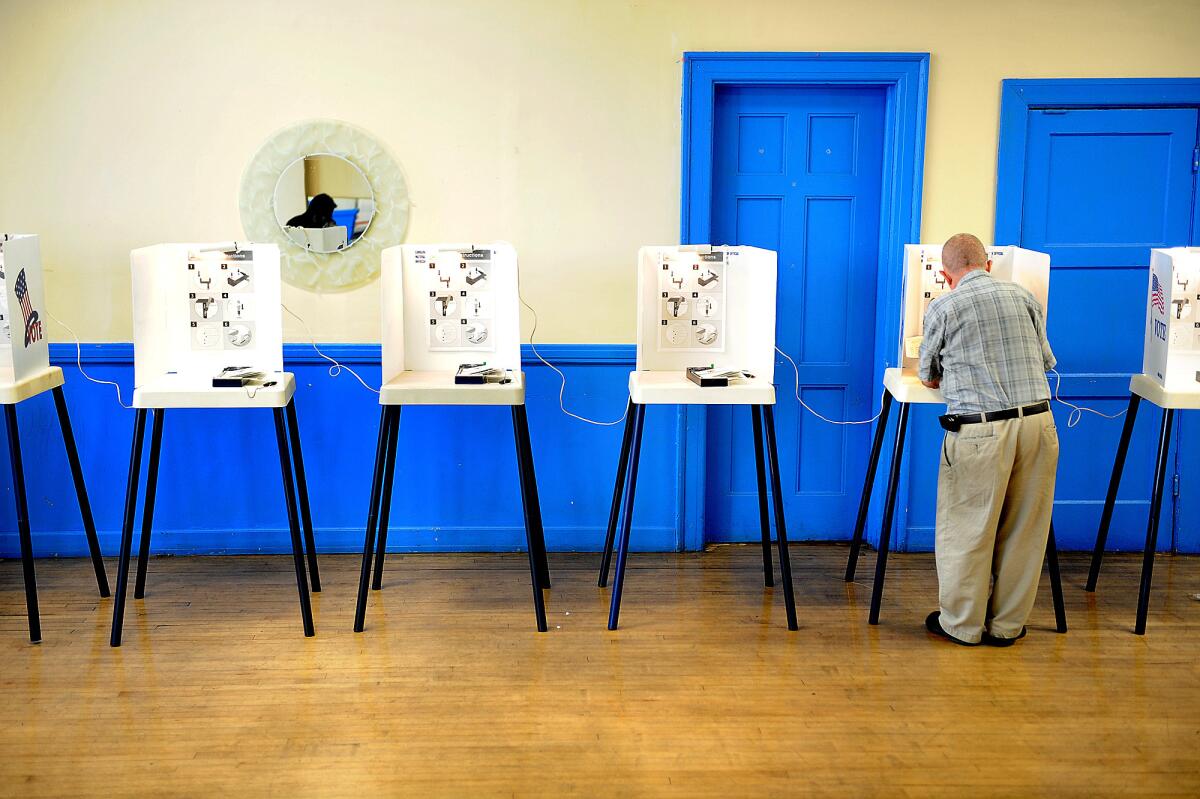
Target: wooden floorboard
point(703, 692)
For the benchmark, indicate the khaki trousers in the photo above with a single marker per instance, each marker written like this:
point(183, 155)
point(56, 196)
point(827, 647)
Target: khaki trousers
point(994, 503)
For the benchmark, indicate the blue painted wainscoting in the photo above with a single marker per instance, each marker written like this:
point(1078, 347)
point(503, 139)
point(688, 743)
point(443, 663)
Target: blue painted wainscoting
point(456, 482)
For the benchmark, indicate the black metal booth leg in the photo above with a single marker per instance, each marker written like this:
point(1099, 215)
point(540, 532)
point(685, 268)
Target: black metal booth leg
point(889, 510)
point(635, 450)
point(364, 575)
point(310, 542)
point(139, 587)
point(529, 504)
point(1110, 498)
point(764, 518)
point(618, 488)
point(785, 559)
point(864, 503)
point(385, 500)
point(289, 496)
point(537, 530)
point(85, 507)
point(1156, 496)
point(1056, 591)
point(18, 479)
point(131, 492)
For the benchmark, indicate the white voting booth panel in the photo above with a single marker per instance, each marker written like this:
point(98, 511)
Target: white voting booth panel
point(700, 305)
point(1172, 352)
point(24, 352)
point(199, 308)
point(923, 283)
point(705, 305)
point(445, 305)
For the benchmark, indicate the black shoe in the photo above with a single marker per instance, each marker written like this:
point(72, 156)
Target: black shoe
point(992, 640)
point(934, 626)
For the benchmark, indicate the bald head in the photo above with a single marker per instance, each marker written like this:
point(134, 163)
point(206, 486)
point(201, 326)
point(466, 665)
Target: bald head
point(963, 252)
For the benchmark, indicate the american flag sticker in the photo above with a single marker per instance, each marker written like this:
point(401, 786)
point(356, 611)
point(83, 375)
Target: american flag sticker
point(33, 325)
point(1158, 299)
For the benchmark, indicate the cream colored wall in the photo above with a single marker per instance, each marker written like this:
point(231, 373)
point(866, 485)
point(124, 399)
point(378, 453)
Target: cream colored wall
point(551, 123)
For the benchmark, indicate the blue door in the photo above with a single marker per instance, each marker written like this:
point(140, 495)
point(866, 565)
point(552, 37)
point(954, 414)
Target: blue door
point(799, 170)
point(1102, 187)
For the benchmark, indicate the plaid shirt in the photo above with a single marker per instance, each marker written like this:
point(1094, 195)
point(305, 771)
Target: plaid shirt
point(986, 341)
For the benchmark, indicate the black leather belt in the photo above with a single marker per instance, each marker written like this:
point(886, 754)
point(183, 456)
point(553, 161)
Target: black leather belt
point(953, 421)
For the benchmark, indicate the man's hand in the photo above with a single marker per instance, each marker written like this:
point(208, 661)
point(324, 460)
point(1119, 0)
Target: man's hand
point(935, 383)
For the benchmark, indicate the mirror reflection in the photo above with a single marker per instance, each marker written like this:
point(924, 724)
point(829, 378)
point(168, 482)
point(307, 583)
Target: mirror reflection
point(323, 202)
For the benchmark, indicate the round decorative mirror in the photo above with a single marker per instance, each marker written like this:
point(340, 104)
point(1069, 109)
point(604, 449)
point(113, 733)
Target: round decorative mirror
point(323, 202)
point(331, 197)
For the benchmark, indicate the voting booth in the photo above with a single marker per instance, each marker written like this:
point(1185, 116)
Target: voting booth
point(447, 305)
point(706, 306)
point(25, 372)
point(451, 335)
point(24, 351)
point(1172, 351)
point(1170, 379)
point(207, 333)
point(201, 311)
point(924, 282)
point(319, 239)
point(705, 336)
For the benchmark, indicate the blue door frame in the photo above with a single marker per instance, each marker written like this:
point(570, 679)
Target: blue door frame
point(905, 79)
point(1019, 99)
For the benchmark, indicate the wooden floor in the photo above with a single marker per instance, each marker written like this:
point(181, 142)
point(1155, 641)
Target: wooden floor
point(703, 692)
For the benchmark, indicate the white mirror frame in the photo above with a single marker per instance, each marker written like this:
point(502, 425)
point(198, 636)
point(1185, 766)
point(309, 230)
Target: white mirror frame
point(336, 271)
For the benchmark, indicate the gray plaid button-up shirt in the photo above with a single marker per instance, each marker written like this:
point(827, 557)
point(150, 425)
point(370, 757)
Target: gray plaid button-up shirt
point(986, 341)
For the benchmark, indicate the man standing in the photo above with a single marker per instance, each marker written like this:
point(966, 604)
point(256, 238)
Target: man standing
point(985, 346)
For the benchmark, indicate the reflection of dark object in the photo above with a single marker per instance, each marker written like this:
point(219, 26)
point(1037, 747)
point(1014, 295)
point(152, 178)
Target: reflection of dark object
point(709, 277)
point(241, 277)
point(318, 214)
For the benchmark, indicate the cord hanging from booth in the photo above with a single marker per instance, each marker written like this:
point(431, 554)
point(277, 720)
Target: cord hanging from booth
point(79, 361)
point(562, 377)
point(337, 366)
point(803, 404)
point(1077, 411)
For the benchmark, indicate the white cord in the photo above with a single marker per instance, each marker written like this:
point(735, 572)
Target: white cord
point(803, 404)
point(1077, 411)
point(336, 368)
point(79, 361)
point(562, 377)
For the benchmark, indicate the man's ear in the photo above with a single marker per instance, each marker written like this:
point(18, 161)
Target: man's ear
point(989, 265)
